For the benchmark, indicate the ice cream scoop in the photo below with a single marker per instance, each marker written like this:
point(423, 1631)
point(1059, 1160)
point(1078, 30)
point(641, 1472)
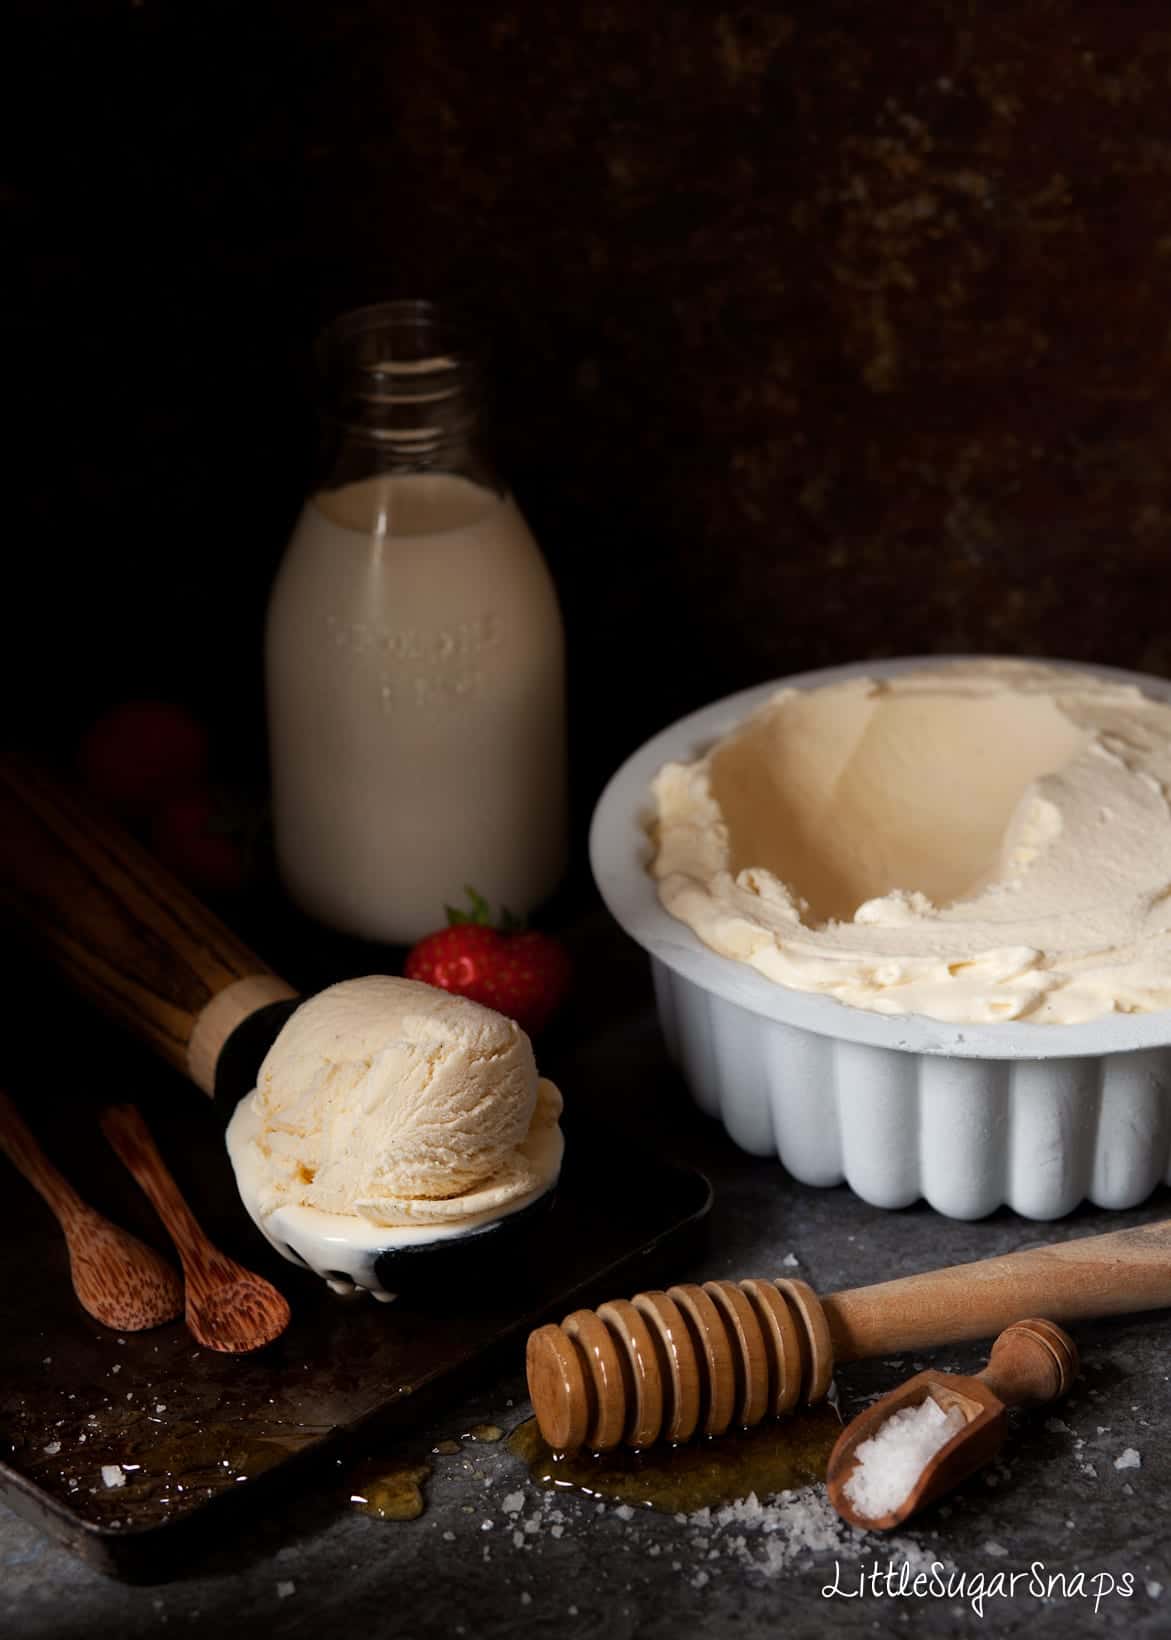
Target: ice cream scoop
point(388, 1116)
point(388, 1134)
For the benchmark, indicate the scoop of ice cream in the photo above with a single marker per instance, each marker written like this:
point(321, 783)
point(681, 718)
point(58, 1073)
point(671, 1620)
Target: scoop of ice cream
point(399, 1103)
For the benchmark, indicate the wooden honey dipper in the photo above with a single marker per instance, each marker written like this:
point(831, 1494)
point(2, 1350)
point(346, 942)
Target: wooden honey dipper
point(699, 1359)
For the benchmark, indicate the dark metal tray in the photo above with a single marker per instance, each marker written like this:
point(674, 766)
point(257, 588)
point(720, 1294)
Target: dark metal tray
point(206, 1431)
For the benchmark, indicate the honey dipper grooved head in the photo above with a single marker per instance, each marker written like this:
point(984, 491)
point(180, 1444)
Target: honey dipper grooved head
point(668, 1366)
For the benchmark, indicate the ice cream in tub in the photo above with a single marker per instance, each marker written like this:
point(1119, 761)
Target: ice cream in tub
point(910, 926)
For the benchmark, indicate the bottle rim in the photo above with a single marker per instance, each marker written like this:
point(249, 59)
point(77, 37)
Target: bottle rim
point(395, 339)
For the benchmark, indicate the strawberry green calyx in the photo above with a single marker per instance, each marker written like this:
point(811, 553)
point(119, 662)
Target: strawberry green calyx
point(480, 915)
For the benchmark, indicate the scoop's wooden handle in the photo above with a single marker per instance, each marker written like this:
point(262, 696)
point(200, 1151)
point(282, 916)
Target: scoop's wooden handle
point(1114, 1274)
point(1031, 1363)
point(122, 929)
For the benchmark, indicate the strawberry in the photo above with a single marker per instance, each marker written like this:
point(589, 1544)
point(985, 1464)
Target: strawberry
point(142, 752)
point(513, 969)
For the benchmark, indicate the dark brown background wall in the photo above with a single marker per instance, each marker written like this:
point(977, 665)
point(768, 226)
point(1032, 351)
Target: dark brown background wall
point(819, 332)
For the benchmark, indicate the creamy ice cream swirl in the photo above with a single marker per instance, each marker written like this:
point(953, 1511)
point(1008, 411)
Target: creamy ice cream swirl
point(982, 841)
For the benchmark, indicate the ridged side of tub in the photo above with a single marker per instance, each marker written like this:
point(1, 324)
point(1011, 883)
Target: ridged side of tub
point(968, 1135)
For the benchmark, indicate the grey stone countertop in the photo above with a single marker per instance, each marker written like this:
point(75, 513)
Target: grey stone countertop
point(493, 1556)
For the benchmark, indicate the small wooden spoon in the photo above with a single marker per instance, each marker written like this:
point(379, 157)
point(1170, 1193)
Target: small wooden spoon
point(118, 1279)
point(228, 1308)
point(1032, 1361)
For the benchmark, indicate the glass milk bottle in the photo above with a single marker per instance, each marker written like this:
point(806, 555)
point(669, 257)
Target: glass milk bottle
point(414, 653)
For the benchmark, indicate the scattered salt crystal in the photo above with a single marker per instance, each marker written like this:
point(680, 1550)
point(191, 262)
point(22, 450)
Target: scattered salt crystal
point(449, 1537)
point(117, 1367)
point(994, 1548)
point(526, 1598)
point(557, 1530)
point(573, 1611)
point(624, 1512)
point(112, 1475)
point(48, 1362)
point(533, 1524)
point(518, 1540)
point(888, 1465)
point(791, 1260)
point(700, 1578)
point(487, 1525)
point(161, 1407)
point(789, 1530)
point(1154, 1589)
point(1130, 1459)
point(1088, 1469)
point(53, 1448)
point(513, 1503)
point(285, 1588)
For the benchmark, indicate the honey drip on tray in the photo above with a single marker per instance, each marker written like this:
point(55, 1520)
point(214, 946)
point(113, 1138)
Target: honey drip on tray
point(776, 1456)
point(395, 1494)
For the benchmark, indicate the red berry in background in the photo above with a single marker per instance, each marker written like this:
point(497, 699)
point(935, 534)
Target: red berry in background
point(188, 835)
point(517, 971)
point(142, 752)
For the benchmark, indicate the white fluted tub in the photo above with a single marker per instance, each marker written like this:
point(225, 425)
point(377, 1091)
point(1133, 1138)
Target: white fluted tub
point(969, 1117)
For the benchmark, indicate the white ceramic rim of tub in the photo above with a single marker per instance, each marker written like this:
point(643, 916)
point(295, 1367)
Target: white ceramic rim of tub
point(620, 851)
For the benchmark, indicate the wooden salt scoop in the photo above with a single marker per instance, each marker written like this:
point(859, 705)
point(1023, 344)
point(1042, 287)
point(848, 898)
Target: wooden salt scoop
point(697, 1360)
point(228, 1307)
point(1031, 1362)
point(118, 1279)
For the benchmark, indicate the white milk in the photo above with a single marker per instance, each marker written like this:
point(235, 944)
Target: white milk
point(415, 670)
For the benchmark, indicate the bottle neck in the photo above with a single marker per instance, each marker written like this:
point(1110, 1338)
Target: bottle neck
point(401, 396)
